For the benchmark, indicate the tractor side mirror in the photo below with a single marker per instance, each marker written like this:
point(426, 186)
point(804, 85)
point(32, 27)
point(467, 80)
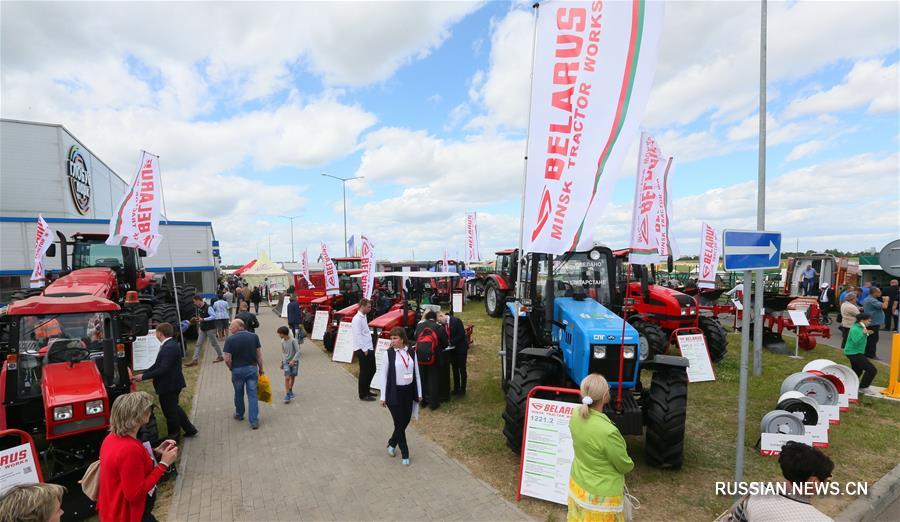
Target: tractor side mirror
point(133, 325)
point(142, 253)
point(51, 250)
point(670, 264)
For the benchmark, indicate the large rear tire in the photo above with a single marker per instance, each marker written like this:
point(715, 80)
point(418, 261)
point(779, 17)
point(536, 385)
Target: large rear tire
point(528, 375)
point(506, 340)
point(716, 340)
point(652, 338)
point(328, 339)
point(666, 413)
point(494, 300)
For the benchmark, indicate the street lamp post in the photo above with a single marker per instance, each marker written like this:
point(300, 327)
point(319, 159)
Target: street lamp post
point(291, 218)
point(344, 187)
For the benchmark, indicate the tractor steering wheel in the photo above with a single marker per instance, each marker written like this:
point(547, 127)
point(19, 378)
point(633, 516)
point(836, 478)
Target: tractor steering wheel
point(68, 351)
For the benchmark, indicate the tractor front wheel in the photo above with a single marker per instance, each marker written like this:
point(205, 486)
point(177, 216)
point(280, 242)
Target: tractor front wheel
point(652, 338)
point(308, 321)
point(507, 334)
point(665, 413)
point(716, 341)
point(527, 376)
point(494, 300)
point(328, 339)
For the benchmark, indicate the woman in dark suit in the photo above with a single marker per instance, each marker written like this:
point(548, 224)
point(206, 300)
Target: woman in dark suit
point(401, 389)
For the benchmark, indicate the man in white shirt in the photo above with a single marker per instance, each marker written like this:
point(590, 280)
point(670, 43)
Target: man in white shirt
point(365, 354)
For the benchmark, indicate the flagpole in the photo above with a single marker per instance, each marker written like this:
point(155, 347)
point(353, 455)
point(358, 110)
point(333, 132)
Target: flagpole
point(162, 196)
point(518, 289)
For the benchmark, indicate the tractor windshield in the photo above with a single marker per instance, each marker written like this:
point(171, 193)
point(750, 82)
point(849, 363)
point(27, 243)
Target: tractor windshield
point(347, 264)
point(40, 333)
point(579, 274)
point(90, 253)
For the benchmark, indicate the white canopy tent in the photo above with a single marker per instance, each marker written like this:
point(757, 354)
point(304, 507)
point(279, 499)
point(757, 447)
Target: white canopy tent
point(264, 268)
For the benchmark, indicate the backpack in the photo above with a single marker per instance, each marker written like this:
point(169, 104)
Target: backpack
point(427, 345)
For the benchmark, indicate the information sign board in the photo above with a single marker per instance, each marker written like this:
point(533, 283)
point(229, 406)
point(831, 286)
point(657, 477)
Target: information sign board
point(693, 347)
point(547, 454)
point(380, 347)
point(343, 345)
point(17, 466)
point(144, 351)
point(319, 325)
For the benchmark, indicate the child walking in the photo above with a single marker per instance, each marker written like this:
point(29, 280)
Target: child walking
point(290, 361)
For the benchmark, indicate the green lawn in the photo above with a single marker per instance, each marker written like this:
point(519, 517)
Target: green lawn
point(863, 447)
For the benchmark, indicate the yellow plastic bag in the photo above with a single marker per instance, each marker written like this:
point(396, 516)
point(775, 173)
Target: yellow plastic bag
point(264, 389)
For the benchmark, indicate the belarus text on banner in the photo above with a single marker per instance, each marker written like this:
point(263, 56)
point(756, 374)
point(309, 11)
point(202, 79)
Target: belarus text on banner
point(136, 221)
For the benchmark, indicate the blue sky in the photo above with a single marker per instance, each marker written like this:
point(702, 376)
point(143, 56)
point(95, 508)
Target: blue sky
point(248, 103)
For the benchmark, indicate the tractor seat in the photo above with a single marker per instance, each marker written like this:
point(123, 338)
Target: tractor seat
point(66, 351)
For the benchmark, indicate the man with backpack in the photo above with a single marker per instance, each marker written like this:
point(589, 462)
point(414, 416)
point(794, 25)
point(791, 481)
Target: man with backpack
point(431, 340)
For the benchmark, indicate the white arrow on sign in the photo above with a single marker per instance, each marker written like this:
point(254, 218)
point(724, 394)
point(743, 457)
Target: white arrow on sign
point(752, 250)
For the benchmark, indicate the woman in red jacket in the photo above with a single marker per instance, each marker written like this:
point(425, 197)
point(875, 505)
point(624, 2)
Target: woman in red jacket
point(128, 474)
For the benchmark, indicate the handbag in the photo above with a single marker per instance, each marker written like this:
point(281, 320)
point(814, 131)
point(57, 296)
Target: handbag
point(630, 504)
point(90, 482)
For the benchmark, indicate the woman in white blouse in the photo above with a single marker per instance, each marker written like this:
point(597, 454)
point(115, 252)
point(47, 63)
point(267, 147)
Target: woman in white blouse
point(401, 389)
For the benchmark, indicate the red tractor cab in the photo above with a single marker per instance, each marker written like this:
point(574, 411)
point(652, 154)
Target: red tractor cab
point(388, 296)
point(306, 293)
point(657, 311)
point(440, 289)
point(349, 293)
point(498, 284)
point(64, 362)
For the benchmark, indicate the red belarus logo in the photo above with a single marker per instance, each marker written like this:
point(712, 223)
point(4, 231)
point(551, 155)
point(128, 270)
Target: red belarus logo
point(537, 406)
point(543, 214)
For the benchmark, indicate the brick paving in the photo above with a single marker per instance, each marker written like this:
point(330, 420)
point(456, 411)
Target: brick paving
point(322, 457)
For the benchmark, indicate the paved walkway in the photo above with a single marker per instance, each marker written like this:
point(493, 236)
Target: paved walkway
point(321, 457)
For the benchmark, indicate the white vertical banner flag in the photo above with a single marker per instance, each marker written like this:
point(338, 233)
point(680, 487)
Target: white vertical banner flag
point(367, 252)
point(445, 262)
point(331, 275)
point(593, 69)
point(304, 268)
point(709, 257)
point(650, 216)
point(473, 254)
point(43, 238)
point(136, 222)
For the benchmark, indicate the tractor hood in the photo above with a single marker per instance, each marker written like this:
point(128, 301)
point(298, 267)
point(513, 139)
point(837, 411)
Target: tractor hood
point(71, 387)
point(86, 281)
point(587, 324)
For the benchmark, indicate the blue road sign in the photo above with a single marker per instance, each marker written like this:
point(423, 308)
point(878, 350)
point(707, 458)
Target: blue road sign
point(750, 250)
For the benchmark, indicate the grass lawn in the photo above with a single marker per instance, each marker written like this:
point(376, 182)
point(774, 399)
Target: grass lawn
point(864, 446)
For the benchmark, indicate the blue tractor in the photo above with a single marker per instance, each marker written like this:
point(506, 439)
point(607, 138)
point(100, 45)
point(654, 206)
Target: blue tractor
point(568, 329)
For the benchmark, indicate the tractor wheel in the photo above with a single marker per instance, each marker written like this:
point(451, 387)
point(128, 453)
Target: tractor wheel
point(494, 300)
point(506, 340)
point(308, 323)
point(477, 289)
point(527, 376)
point(665, 413)
point(328, 340)
point(652, 338)
point(716, 341)
point(806, 342)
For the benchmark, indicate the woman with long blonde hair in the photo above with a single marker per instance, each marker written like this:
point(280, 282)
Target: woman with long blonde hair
point(597, 479)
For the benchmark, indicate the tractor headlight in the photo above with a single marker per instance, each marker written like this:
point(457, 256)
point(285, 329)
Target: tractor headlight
point(684, 311)
point(62, 413)
point(93, 407)
point(628, 353)
point(599, 352)
point(693, 311)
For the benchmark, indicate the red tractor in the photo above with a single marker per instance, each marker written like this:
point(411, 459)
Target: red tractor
point(440, 289)
point(66, 356)
point(657, 311)
point(498, 284)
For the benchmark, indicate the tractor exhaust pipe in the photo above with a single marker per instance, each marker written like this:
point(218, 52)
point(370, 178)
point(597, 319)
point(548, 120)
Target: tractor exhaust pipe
point(63, 251)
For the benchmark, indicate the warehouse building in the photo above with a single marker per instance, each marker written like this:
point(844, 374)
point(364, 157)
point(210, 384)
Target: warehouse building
point(46, 170)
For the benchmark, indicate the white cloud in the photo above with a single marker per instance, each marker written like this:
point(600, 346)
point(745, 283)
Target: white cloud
point(806, 149)
point(870, 84)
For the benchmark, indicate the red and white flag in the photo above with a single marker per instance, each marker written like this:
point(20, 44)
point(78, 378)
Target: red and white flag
point(650, 241)
point(445, 263)
point(473, 254)
point(593, 69)
point(43, 238)
point(136, 222)
point(709, 257)
point(368, 265)
point(304, 268)
point(331, 276)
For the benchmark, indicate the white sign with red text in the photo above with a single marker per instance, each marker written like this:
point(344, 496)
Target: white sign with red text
point(650, 218)
point(770, 443)
point(693, 348)
point(709, 257)
point(343, 343)
point(320, 323)
point(381, 346)
point(473, 254)
point(593, 69)
point(136, 222)
point(17, 466)
point(547, 454)
point(331, 275)
point(368, 266)
point(43, 238)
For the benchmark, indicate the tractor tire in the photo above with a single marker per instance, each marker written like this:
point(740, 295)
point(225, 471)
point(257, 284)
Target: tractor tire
point(308, 323)
point(716, 340)
point(494, 300)
point(653, 339)
point(665, 413)
point(527, 376)
point(328, 340)
point(506, 338)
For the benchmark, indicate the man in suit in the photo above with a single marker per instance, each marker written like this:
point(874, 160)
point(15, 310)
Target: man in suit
point(168, 381)
point(459, 341)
